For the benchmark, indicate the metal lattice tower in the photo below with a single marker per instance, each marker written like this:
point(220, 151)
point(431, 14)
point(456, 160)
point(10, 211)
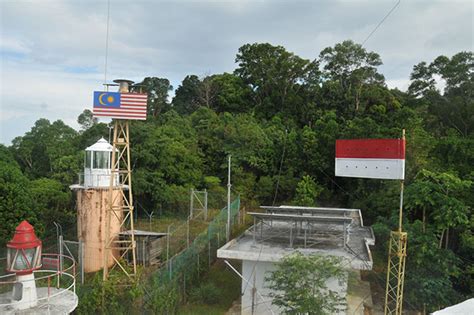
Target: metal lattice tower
point(395, 273)
point(122, 211)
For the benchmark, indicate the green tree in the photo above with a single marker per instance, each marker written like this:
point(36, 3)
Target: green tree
point(16, 201)
point(52, 201)
point(442, 195)
point(39, 149)
point(165, 155)
point(430, 271)
point(307, 191)
point(86, 119)
point(186, 99)
point(352, 66)
point(277, 77)
point(157, 89)
point(454, 108)
point(299, 284)
point(232, 94)
point(90, 136)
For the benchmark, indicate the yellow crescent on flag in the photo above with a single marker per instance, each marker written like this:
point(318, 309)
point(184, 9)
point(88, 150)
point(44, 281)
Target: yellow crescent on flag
point(100, 99)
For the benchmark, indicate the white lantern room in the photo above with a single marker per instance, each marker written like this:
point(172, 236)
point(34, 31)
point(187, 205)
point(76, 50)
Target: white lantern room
point(97, 165)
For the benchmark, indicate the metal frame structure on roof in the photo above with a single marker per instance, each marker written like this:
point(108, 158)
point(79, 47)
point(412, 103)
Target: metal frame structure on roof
point(309, 209)
point(301, 217)
point(306, 229)
point(272, 237)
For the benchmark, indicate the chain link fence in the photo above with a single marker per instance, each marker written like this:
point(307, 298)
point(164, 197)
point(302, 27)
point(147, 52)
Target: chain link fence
point(169, 284)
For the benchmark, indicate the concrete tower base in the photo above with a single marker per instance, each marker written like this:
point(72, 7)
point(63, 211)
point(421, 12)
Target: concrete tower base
point(92, 205)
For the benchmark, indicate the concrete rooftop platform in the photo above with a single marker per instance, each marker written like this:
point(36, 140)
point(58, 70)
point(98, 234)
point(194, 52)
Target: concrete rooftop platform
point(326, 231)
point(51, 301)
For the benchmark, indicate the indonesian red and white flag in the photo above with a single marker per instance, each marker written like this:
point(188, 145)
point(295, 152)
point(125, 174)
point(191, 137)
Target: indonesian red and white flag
point(371, 158)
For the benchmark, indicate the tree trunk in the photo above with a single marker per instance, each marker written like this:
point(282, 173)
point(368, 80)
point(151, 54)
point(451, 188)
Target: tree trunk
point(424, 220)
point(357, 100)
point(447, 238)
point(441, 239)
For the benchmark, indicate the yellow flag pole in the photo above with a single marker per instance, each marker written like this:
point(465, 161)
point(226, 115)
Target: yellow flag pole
point(396, 263)
point(400, 218)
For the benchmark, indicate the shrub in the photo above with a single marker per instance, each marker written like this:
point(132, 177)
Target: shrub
point(207, 293)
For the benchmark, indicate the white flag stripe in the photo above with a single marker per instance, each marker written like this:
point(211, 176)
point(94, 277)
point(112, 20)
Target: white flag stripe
point(134, 95)
point(122, 116)
point(121, 111)
point(371, 168)
point(143, 101)
point(133, 107)
point(133, 103)
point(119, 115)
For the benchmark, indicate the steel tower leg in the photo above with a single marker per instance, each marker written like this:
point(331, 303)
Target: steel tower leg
point(395, 273)
point(122, 211)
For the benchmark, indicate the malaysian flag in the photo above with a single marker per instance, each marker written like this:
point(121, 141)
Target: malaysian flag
point(120, 105)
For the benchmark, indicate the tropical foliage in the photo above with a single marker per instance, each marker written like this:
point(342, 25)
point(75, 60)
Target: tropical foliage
point(279, 115)
point(299, 285)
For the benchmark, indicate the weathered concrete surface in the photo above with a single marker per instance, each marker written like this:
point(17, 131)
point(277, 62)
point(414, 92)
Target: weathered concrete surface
point(255, 294)
point(91, 209)
point(263, 245)
point(359, 295)
point(51, 301)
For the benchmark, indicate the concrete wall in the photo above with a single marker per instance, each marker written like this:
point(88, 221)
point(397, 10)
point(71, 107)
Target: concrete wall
point(91, 209)
point(255, 273)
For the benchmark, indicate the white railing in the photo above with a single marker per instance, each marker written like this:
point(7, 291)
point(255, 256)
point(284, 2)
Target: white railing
point(7, 281)
point(95, 179)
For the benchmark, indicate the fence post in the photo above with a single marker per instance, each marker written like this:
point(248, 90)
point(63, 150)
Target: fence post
point(61, 244)
point(205, 204)
point(229, 185)
point(209, 246)
point(191, 203)
point(144, 253)
point(168, 243)
point(170, 263)
point(187, 233)
point(150, 217)
point(198, 263)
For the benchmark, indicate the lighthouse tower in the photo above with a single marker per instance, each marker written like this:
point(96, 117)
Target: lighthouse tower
point(34, 282)
point(92, 195)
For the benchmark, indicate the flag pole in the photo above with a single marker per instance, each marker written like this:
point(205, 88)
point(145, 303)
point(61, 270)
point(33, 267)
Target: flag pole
point(401, 195)
point(397, 252)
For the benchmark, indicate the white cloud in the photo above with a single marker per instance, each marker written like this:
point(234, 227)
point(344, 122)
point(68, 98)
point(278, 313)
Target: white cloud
point(52, 52)
point(401, 84)
point(14, 45)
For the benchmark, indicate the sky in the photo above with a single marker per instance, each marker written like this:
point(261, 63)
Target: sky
point(52, 53)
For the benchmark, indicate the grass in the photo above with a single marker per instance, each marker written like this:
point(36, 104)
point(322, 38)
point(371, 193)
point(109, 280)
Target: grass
point(178, 229)
point(219, 275)
point(228, 284)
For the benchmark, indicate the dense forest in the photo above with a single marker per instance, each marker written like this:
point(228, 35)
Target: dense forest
point(279, 115)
